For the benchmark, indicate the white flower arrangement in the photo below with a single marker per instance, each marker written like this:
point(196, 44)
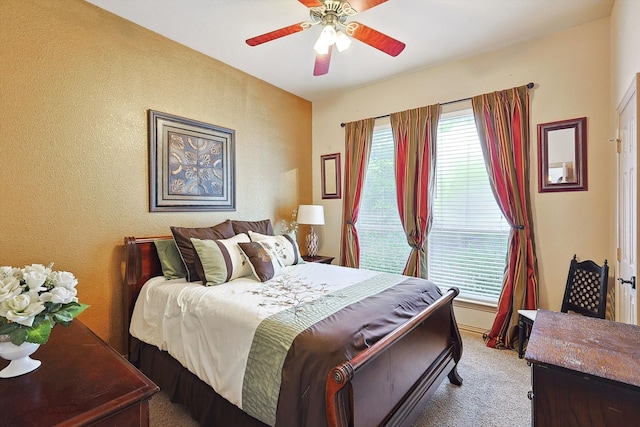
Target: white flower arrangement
point(33, 299)
point(290, 227)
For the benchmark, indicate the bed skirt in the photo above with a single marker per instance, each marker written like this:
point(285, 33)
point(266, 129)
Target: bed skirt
point(205, 406)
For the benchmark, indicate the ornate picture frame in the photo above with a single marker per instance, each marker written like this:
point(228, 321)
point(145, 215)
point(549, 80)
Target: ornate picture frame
point(562, 155)
point(330, 176)
point(191, 165)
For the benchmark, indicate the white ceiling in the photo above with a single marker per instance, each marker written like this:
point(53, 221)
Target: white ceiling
point(435, 32)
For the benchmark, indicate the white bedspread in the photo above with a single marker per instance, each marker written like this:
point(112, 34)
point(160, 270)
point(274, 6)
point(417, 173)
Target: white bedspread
point(209, 330)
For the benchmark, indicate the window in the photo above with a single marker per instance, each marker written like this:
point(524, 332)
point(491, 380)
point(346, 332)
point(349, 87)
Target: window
point(467, 244)
point(383, 245)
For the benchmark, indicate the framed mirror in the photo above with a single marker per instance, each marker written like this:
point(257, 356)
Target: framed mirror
point(330, 176)
point(562, 155)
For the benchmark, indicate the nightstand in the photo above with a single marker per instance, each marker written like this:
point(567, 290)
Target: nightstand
point(81, 382)
point(319, 258)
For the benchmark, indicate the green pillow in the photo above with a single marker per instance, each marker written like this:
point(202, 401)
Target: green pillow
point(170, 261)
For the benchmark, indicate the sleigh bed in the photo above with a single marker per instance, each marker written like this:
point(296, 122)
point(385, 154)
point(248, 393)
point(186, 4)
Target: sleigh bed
point(383, 376)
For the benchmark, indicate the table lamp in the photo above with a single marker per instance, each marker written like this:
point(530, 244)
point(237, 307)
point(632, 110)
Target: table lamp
point(311, 215)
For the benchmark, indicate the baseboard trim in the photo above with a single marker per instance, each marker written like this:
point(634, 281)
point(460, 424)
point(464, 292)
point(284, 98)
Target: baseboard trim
point(475, 305)
point(472, 329)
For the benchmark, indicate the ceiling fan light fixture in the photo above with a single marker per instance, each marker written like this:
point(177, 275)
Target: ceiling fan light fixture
point(328, 34)
point(327, 39)
point(342, 41)
point(321, 47)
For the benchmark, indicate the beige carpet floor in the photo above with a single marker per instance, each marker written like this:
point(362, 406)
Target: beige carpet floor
point(493, 394)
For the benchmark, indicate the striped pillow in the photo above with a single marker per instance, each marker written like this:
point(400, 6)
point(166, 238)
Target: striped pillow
point(222, 259)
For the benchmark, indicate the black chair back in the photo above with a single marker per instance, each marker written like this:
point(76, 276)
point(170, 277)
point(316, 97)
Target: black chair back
point(586, 290)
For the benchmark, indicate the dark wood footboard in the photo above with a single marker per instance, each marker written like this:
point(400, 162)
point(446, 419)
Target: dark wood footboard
point(388, 383)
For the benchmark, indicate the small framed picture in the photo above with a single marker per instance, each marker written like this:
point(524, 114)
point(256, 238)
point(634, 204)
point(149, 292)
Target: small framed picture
point(330, 176)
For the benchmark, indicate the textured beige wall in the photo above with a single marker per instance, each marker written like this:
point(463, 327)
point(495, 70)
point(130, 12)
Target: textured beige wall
point(625, 54)
point(571, 72)
point(75, 85)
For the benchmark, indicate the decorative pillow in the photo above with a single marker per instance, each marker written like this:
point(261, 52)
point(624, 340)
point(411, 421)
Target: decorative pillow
point(263, 226)
point(285, 247)
point(170, 261)
point(264, 263)
point(222, 260)
point(183, 235)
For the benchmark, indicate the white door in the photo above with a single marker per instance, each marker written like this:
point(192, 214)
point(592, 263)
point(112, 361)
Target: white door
point(626, 309)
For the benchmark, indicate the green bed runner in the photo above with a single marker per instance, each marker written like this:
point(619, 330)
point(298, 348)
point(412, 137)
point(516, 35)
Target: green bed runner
point(275, 334)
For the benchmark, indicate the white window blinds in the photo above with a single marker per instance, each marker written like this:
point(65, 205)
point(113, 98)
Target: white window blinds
point(467, 245)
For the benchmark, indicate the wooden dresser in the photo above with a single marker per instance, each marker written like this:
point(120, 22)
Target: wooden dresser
point(585, 371)
point(82, 381)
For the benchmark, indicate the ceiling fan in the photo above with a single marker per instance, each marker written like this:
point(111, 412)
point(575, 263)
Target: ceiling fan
point(333, 15)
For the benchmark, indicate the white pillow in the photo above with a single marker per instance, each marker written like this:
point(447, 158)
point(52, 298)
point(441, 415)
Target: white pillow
point(285, 247)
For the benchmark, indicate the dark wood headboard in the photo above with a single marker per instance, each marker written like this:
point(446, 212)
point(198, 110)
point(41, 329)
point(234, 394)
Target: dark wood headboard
point(141, 264)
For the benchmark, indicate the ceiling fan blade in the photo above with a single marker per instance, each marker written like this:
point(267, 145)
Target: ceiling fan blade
point(312, 3)
point(272, 35)
point(362, 5)
point(374, 38)
point(322, 63)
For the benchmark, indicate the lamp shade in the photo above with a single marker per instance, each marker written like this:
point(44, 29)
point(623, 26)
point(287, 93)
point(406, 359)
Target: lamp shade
point(342, 41)
point(310, 214)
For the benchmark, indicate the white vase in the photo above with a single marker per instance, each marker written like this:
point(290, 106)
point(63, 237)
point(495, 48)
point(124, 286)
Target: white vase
point(21, 363)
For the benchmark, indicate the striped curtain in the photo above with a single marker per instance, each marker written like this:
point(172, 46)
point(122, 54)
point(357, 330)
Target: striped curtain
point(358, 139)
point(414, 135)
point(502, 120)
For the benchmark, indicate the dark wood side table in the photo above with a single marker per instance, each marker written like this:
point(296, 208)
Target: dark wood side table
point(319, 258)
point(82, 381)
point(585, 371)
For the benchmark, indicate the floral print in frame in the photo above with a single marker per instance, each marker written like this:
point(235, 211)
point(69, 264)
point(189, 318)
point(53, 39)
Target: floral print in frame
point(191, 165)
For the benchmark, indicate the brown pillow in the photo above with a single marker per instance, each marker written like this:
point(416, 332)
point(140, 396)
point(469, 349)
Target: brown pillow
point(262, 227)
point(264, 263)
point(182, 237)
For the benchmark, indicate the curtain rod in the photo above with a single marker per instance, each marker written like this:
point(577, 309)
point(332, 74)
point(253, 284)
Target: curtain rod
point(529, 86)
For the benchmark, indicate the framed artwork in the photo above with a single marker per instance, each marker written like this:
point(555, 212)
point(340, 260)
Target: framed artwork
point(191, 165)
point(330, 176)
point(562, 155)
